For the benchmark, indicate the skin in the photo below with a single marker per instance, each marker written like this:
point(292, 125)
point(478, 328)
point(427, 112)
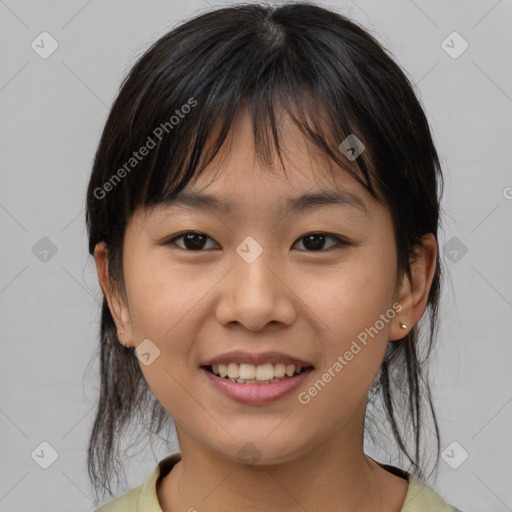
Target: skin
point(310, 304)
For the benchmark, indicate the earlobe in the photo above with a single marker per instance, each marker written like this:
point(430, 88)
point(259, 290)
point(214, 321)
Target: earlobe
point(118, 308)
point(413, 292)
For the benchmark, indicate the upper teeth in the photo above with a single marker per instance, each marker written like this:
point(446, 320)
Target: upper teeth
point(247, 371)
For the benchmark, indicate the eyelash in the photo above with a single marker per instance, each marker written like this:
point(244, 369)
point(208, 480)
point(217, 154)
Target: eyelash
point(340, 241)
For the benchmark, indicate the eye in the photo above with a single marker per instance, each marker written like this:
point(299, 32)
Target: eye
point(314, 242)
point(193, 240)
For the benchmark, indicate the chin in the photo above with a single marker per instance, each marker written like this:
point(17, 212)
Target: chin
point(258, 450)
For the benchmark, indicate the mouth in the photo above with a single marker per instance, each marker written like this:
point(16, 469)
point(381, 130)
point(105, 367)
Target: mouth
point(256, 378)
point(248, 373)
point(256, 385)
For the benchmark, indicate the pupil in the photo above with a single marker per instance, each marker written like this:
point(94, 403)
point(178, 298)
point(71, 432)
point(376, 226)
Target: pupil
point(315, 245)
point(191, 241)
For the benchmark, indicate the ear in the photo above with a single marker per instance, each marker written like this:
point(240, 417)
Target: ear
point(412, 293)
point(116, 303)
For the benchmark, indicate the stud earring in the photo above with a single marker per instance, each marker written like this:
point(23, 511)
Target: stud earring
point(122, 342)
point(403, 326)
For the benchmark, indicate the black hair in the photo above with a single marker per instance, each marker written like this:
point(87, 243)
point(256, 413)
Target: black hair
point(333, 79)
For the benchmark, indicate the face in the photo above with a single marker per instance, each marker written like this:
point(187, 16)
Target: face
point(257, 283)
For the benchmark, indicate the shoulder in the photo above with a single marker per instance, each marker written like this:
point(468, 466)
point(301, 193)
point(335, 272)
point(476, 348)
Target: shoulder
point(420, 497)
point(423, 498)
point(143, 498)
point(128, 502)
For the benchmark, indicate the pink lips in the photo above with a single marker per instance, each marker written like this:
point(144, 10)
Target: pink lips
point(256, 393)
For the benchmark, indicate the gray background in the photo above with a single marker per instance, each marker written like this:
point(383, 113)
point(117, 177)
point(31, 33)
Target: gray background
point(53, 111)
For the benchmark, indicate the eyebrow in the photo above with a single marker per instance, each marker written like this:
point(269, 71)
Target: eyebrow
point(303, 203)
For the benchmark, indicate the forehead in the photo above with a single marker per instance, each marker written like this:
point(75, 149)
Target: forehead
point(237, 177)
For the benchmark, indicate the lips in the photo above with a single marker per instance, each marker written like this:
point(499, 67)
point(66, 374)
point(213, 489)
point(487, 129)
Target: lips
point(262, 383)
point(251, 393)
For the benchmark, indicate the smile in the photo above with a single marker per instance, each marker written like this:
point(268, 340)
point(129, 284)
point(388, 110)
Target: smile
point(247, 373)
point(256, 390)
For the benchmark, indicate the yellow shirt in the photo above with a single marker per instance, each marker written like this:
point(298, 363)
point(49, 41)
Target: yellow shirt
point(420, 497)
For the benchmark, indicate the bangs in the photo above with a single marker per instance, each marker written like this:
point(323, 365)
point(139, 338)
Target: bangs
point(267, 114)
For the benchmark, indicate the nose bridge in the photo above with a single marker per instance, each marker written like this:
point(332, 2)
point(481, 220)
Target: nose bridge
point(253, 295)
point(252, 262)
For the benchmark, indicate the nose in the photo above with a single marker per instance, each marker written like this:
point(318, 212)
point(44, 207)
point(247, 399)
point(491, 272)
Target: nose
point(256, 293)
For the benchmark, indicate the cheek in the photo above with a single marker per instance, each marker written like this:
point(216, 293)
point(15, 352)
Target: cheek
point(161, 296)
point(356, 315)
point(166, 307)
point(352, 298)
point(162, 304)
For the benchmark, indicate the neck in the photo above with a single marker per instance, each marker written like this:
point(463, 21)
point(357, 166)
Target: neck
point(342, 479)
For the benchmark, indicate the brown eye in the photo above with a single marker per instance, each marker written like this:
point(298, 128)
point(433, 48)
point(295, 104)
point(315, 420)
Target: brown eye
point(192, 240)
point(315, 242)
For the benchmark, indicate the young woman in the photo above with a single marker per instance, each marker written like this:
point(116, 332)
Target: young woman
point(263, 214)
